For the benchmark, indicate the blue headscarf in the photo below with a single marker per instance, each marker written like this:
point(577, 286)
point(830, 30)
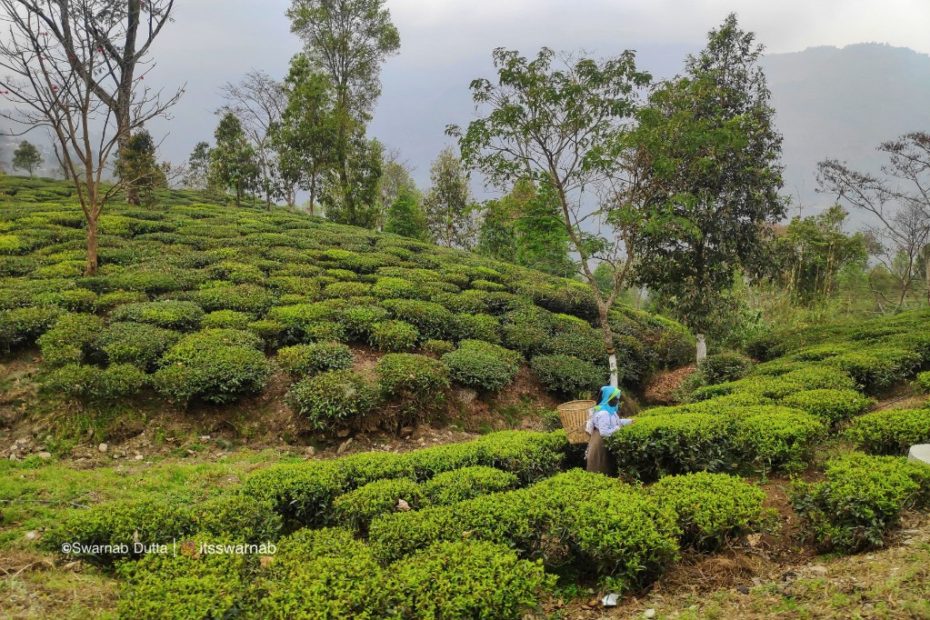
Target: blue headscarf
point(609, 392)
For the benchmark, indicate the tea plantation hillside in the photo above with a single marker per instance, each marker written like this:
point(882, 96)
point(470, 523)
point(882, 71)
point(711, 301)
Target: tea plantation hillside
point(504, 525)
point(197, 302)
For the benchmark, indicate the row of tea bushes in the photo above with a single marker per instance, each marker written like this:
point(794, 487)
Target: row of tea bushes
point(890, 431)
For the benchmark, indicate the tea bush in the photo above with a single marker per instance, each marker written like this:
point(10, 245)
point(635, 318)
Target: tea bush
point(466, 579)
point(430, 319)
point(477, 327)
point(228, 319)
point(308, 359)
point(465, 483)
point(567, 375)
point(178, 315)
point(302, 493)
point(139, 344)
point(215, 365)
point(21, 326)
point(437, 347)
point(860, 500)
point(727, 366)
point(710, 508)
point(891, 431)
point(482, 365)
point(831, 406)
point(88, 383)
point(70, 340)
point(923, 380)
point(393, 336)
point(777, 439)
point(357, 508)
point(819, 377)
point(239, 516)
point(359, 321)
point(877, 368)
point(411, 377)
point(332, 399)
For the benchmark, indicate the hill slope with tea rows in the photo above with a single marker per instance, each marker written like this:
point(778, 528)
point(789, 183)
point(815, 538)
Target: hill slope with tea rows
point(202, 302)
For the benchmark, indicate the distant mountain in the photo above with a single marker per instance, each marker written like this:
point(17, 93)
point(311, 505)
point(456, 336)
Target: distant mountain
point(843, 102)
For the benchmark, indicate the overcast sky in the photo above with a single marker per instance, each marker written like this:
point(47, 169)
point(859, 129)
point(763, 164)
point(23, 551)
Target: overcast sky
point(447, 43)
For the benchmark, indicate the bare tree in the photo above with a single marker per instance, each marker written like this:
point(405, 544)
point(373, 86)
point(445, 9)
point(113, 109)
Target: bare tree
point(258, 101)
point(899, 201)
point(54, 85)
point(119, 32)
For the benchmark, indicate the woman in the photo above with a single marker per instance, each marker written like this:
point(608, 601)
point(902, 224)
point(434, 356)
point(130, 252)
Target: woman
point(603, 421)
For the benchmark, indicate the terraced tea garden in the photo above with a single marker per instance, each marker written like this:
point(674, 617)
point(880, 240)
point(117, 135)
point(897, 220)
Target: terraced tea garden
point(201, 303)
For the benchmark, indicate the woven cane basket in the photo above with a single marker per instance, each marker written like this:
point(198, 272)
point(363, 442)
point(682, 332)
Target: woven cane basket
point(574, 415)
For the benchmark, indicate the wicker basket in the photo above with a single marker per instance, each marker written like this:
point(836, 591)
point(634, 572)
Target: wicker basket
point(574, 415)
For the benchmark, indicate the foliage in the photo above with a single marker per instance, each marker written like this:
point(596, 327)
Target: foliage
point(70, 340)
point(564, 374)
point(777, 438)
point(331, 399)
point(179, 315)
point(215, 365)
point(450, 210)
point(728, 366)
point(465, 483)
point(357, 508)
point(891, 431)
point(94, 384)
point(22, 326)
point(407, 217)
point(27, 157)
point(711, 508)
point(831, 406)
point(307, 359)
point(860, 500)
point(923, 380)
point(482, 365)
point(393, 336)
point(139, 169)
point(413, 378)
point(232, 160)
point(139, 344)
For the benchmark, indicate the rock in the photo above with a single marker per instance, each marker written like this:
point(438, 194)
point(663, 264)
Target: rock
point(818, 569)
point(344, 446)
point(103, 447)
point(265, 560)
point(649, 613)
point(406, 431)
point(45, 455)
point(309, 452)
point(466, 395)
point(742, 589)
point(343, 432)
point(32, 535)
point(402, 506)
point(204, 438)
point(919, 453)
point(139, 457)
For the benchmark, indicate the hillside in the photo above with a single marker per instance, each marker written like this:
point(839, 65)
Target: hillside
point(202, 305)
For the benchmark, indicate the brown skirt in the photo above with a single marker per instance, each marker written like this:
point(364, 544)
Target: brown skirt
point(598, 459)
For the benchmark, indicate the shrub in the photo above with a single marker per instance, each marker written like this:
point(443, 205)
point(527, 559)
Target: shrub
point(923, 380)
point(437, 347)
point(215, 365)
point(877, 368)
point(94, 384)
point(70, 340)
point(659, 445)
point(76, 299)
point(309, 359)
point(248, 298)
point(411, 377)
point(302, 493)
point(430, 319)
point(477, 327)
point(727, 366)
point(860, 500)
point(229, 319)
point(465, 483)
point(359, 320)
point(778, 438)
point(567, 375)
point(364, 467)
point(332, 398)
point(238, 516)
point(530, 455)
point(107, 532)
point(711, 508)
point(186, 584)
point(581, 341)
point(891, 431)
point(179, 315)
point(396, 288)
point(831, 406)
point(357, 508)
point(320, 575)
point(271, 332)
point(820, 378)
point(138, 344)
point(345, 290)
point(393, 336)
point(482, 365)
point(466, 579)
point(23, 325)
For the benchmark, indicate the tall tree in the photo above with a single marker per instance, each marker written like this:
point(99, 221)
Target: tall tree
point(119, 35)
point(899, 202)
point(364, 174)
point(61, 73)
point(450, 210)
point(27, 157)
point(198, 167)
point(348, 40)
point(708, 155)
point(305, 137)
point(232, 161)
point(563, 123)
point(137, 162)
point(258, 101)
point(395, 180)
point(406, 217)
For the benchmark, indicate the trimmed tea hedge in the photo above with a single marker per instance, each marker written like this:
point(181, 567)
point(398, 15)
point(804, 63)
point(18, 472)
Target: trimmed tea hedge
point(891, 431)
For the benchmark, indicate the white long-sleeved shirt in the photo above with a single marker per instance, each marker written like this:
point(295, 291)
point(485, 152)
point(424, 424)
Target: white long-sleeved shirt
point(605, 422)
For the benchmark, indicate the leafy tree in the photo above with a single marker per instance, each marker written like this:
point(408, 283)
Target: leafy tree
point(137, 165)
point(406, 216)
point(306, 136)
point(899, 202)
point(708, 159)
point(348, 40)
point(450, 209)
point(811, 252)
point(232, 161)
point(27, 157)
point(357, 202)
point(495, 236)
point(565, 125)
point(198, 167)
point(395, 180)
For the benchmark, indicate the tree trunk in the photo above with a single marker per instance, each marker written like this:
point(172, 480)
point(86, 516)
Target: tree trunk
point(927, 274)
point(701, 352)
point(608, 344)
point(90, 268)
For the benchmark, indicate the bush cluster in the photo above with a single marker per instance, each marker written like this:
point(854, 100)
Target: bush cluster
point(891, 431)
point(179, 315)
point(567, 375)
point(727, 366)
point(88, 383)
point(309, 359)
point(332, 399)
point(831, 406)
point(481, 365)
